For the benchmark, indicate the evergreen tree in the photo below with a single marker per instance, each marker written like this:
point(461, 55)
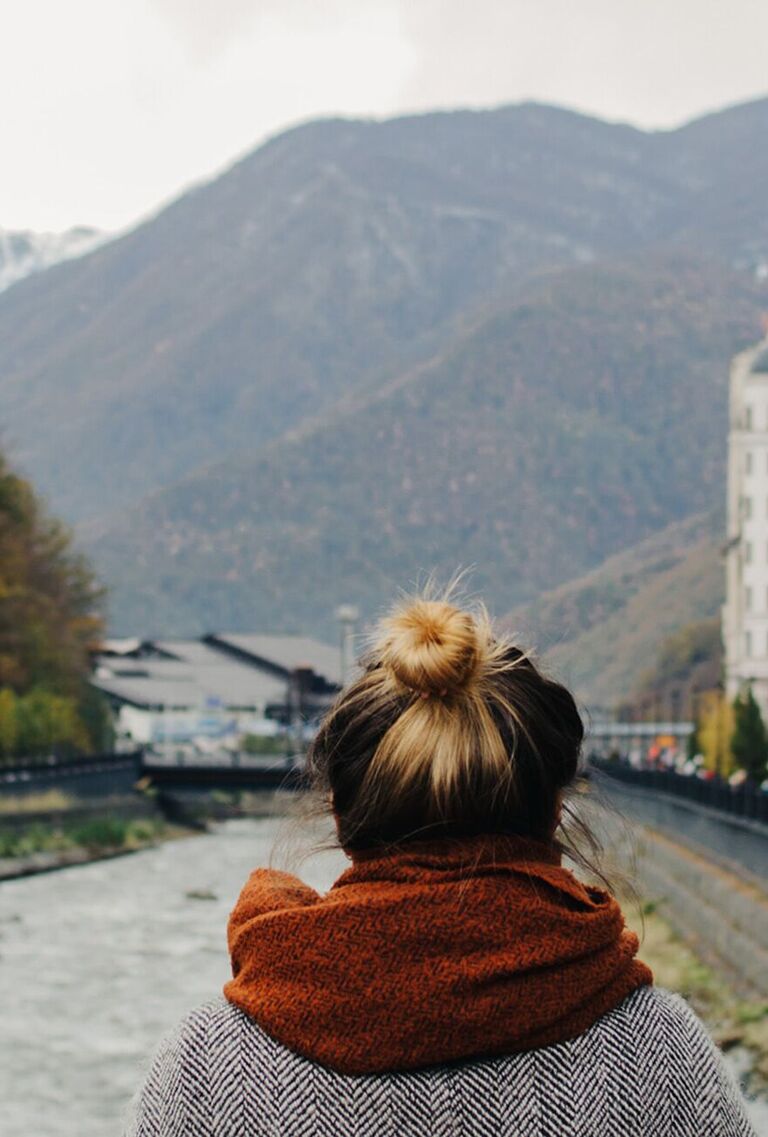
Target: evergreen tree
point(692, 747)
point(749, 742)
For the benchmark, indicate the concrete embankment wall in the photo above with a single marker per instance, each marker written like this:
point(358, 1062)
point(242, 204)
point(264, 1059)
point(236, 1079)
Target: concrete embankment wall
point(706, 875)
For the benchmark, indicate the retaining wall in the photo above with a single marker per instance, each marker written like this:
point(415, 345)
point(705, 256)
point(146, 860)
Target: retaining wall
point(716, 903)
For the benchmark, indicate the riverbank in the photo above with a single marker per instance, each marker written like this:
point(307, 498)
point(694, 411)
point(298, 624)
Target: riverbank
point(45, 832)
point(49, 847)
point(119, 950)
point(740, 1027)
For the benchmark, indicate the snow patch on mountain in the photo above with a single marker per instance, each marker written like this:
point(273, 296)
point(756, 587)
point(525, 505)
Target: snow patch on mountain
point(24, 252)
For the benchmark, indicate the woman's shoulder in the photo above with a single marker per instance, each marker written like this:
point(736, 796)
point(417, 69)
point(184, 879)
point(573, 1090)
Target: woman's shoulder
point(657, 1021)
point(649, 1065)
point(650, 1020)
point(653, 1040)
point(649, 1015)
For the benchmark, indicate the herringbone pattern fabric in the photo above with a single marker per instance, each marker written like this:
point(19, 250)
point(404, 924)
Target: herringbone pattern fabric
point(646, 1069)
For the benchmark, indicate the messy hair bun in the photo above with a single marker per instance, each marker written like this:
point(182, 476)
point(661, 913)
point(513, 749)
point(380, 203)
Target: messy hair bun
point(430, 646)
point(449, 729)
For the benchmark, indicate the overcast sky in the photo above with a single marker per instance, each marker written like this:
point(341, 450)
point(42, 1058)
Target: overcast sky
point(110, 107)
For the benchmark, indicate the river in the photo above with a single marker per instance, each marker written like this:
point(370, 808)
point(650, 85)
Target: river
point(98, 962)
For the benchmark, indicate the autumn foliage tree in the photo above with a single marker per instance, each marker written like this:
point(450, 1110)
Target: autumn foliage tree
point(50, 619)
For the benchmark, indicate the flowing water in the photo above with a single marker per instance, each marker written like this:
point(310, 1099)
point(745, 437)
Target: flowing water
point(98, 962)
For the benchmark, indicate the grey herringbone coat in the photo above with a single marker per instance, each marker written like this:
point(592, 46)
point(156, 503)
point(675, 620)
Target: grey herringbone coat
point(647, 1069)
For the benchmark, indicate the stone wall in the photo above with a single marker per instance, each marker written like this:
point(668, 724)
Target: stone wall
point(717, 903)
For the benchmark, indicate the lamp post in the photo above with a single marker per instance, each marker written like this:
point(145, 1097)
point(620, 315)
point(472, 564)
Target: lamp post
point(347, 615)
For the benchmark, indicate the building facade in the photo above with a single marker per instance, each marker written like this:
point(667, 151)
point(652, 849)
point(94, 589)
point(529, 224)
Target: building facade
point(167, 691)
point(745, 613)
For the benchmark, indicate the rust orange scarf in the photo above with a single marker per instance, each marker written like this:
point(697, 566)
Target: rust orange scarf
point(441, 951)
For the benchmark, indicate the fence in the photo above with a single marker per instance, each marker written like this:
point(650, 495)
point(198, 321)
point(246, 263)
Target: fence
point(96, 775)
point(746, 801)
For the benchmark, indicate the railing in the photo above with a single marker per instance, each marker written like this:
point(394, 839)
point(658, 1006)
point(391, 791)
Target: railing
point(39, 762)
point(745, 801)
point(91, 775)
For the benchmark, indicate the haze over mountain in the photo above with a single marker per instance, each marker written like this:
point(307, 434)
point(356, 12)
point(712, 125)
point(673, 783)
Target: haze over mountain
point(23, 252)
point(371, 348)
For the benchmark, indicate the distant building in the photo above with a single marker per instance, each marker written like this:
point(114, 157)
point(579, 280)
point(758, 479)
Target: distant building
point(745, 613)
point(177, 690)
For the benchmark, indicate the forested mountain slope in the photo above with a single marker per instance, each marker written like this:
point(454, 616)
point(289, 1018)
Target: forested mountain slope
point(328, 260)
point(559, 430)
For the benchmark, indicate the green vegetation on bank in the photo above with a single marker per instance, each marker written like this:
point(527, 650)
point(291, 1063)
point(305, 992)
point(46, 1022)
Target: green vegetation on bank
point(50, 619)
point(96, 835)
point(733, 1021)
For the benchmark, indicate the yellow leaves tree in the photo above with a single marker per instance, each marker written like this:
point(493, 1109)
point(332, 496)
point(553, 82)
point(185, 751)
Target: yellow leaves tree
point(9, 722)
point(715, 732)
point(50, 620)
point(49, 598)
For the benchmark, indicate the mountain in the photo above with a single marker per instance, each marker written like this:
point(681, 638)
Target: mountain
point(602, 632)
point(371, 349)
point(23, 252)
point(581, 418)
point(324, 264)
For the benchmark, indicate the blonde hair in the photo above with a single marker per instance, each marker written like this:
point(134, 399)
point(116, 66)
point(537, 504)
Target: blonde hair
point(449, 728)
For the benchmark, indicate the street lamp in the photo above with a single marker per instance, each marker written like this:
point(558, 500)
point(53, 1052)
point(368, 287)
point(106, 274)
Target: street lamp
point(347, 615)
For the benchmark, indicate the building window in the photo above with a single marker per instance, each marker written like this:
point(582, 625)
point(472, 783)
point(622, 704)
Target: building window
point(748, 599)
point(746, 506)
point(747, 418)
point(747, 643)
point(747, 552)
point(748, 462)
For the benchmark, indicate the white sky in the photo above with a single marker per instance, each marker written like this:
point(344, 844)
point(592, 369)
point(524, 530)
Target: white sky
point(110, 107)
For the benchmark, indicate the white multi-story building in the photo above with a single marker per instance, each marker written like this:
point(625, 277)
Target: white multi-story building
point(745, 613)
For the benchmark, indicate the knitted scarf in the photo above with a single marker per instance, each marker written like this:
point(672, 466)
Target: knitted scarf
point(437, 952)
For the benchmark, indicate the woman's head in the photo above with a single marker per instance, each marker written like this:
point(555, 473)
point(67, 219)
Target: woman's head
point(448, 730)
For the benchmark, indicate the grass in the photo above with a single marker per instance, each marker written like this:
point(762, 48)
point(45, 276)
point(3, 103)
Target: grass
point(35, 803)
point(733, 1022)
point(97, 835)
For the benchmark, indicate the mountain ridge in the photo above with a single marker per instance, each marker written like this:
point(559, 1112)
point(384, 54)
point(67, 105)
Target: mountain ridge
point(330, 257)
point(372, 349)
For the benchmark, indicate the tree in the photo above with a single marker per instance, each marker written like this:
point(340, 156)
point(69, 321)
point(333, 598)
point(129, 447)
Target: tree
point(50, 601)
point(715, 731)
point(50, 621)
point(693, 746)
point(9, 722)
point(749, 742)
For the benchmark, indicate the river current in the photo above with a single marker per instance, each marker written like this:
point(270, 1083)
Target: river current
point(98, 962)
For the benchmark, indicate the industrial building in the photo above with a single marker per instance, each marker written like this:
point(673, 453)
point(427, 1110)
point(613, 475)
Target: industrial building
point(224, 684)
